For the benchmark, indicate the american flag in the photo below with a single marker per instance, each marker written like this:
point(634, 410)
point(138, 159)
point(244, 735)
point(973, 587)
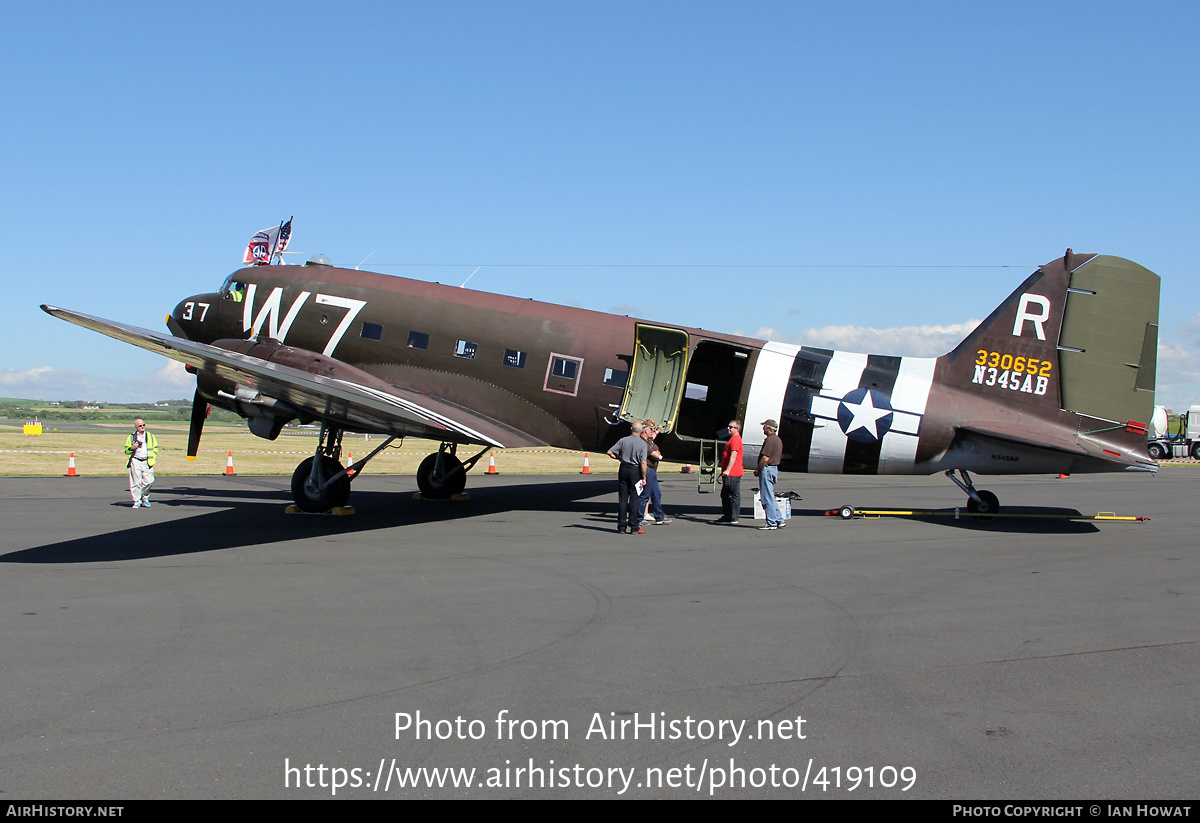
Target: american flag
point(265, 245)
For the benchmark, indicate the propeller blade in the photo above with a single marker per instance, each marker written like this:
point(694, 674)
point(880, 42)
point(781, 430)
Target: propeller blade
point(199, 412)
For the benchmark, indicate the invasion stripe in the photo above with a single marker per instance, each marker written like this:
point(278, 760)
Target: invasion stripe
point(880, 375)
point(796, 420)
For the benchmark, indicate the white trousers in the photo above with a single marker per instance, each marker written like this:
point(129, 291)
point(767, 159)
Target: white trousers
point(141, 478)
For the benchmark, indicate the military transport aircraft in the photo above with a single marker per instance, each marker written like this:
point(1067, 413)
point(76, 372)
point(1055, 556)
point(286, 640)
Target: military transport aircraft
point(1059, 378)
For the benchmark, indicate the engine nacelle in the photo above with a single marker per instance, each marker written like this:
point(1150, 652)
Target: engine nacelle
point(268, 415)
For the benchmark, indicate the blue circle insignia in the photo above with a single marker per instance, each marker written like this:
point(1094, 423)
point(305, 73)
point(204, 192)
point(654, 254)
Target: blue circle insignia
point(865, 415)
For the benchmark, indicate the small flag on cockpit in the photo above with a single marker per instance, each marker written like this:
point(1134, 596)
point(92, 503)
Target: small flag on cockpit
point(268, 244)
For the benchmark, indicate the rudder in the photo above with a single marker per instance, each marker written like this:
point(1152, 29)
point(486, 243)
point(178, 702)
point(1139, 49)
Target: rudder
point(1108, 347)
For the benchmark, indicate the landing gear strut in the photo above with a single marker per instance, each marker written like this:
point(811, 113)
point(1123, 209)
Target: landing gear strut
point(978, 502)
point(320, 483)
point(443, 475)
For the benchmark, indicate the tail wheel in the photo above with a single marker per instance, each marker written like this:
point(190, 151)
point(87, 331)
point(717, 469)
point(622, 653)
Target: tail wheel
point(307, 498)
point(988, 504)
point(435, 485)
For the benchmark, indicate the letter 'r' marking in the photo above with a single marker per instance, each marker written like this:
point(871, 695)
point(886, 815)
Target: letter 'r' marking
point(1024, 314)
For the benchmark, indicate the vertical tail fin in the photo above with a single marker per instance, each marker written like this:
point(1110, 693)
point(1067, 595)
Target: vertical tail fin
point(1080, 334)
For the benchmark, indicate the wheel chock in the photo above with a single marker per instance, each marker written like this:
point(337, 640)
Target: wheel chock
point(336, 511)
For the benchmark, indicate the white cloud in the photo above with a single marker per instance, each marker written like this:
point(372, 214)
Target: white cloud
point(906, 341)
point(173, 373)
point(1178, 360)
point(47, 383)
point(1178, 385)
point(12, 377)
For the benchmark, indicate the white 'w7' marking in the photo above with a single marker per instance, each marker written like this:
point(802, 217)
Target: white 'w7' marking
point(271, 308)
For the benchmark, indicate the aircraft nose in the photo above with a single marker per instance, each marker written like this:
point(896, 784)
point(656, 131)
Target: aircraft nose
point(194, 315)
point(176, 323)
point(173, 324)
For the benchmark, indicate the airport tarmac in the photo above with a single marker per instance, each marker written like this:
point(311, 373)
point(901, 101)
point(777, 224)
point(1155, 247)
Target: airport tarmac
point(214, 646)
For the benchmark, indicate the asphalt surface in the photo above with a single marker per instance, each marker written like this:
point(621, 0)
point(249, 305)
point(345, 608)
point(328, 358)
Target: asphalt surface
point(214, 646)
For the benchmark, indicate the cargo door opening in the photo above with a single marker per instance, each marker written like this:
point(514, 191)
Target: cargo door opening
point(656, 378)
point(713, 389)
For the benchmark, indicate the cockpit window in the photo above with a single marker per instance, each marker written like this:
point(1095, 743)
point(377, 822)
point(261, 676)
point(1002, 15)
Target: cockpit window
point(233, 290)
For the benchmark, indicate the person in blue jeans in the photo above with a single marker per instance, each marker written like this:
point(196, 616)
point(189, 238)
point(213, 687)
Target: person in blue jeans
point(651, 500)
point(767, 472)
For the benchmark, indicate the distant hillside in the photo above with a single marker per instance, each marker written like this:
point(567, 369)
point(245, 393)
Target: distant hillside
point(164, 411)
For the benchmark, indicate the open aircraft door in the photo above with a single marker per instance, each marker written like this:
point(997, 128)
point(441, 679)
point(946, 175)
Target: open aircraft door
point(657, 376)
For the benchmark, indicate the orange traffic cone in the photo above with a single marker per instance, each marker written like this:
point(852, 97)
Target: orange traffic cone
point(587, 469)
point(350, 462)
point(71, 466)
point(492, 464)
point(687, 469)
point(229, 472)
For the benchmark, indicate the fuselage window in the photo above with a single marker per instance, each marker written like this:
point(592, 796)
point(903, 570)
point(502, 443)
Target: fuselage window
point(612, 377)
point(466, 349)
point(514, 358)
point(562, 374)
point(418, 340)
point(371, 331)
point(564, 368)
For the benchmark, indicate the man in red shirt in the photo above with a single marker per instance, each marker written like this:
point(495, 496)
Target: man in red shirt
point(731, 468)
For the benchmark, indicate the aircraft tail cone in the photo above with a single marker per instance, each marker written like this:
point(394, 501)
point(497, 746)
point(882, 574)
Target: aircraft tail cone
point(71, 466)
point(587, 469)
point(492, 464)
point(229, 472)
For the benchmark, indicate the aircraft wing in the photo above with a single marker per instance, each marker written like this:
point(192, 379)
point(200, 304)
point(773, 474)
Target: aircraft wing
point(354, 406)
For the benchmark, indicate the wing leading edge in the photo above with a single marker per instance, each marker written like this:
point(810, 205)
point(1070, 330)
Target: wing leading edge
point(365, 404)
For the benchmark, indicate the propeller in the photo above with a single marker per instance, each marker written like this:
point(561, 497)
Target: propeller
point(199, 412)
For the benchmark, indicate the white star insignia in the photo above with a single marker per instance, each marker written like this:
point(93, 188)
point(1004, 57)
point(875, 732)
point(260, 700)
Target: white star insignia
point(866, 416)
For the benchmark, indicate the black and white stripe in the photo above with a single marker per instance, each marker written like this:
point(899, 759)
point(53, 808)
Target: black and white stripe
point(804, 388)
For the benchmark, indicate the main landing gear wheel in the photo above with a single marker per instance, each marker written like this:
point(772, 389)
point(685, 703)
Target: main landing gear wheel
point(438, 485)
point(988, 504)
point(1157, 452)
point(307, 496)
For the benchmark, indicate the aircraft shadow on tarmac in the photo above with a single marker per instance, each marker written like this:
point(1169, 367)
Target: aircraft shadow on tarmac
point(1013, 520)
point(249, 514)
point(238, 516)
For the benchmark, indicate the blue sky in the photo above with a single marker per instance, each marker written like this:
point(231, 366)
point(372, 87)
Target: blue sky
point(896, 155)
